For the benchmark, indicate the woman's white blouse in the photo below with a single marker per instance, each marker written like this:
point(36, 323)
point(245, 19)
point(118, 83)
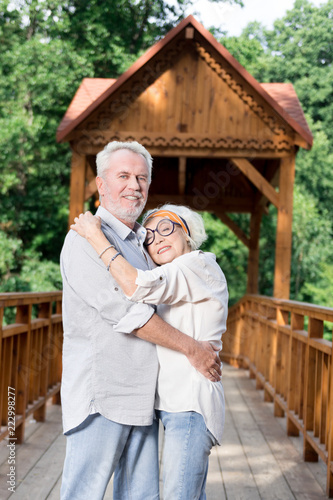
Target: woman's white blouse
point(192, 296)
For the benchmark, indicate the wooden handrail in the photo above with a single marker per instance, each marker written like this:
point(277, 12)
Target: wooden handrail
point(30, 358)
point(281, 343)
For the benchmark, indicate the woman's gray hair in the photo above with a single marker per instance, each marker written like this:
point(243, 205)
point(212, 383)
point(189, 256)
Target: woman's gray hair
point(193, 220)
point(103, 157)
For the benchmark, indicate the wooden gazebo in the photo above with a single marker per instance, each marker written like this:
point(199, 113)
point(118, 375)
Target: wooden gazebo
point(221, 141)
point(225, 143)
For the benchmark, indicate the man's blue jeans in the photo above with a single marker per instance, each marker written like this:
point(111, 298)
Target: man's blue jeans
point(97, 448)
point(187, 445)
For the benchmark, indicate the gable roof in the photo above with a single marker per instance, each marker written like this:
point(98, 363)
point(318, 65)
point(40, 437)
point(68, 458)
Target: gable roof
point(94, 91)
point(285, 95)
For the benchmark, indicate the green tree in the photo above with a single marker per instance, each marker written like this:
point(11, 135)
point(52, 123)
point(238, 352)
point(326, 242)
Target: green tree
point(299, 50)
point(230, 253)
point(47, 48)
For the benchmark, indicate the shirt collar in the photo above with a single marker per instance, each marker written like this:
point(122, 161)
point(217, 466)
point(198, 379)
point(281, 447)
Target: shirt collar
point(119, 227)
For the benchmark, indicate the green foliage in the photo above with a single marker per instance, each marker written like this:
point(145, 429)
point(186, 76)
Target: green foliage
point(48, 46)
point(311, 245)
point(299, 49)
point(230, 254)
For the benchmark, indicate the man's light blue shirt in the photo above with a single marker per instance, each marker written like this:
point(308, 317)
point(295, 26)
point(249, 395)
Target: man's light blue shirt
point(105, 368)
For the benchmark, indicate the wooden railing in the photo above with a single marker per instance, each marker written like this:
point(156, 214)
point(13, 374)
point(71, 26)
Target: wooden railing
point(281, 342)
point(30, 358)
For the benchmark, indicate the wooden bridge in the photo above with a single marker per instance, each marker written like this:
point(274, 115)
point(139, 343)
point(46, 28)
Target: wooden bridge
point(224, 143)
point(277, 379)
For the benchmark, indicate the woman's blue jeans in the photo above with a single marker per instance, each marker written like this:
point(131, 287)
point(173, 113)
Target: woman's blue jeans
point(187, 445)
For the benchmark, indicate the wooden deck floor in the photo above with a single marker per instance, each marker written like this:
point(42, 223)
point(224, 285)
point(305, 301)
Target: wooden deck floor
point(257, 460)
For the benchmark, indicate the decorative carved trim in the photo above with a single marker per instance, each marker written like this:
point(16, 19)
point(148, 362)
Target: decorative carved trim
point(101, 140)
point(236, 87)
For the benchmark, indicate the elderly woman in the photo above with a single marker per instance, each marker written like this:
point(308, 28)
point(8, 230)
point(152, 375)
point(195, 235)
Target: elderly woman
point(190, 292)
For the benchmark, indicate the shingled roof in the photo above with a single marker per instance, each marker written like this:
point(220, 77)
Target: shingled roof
point(94, 91)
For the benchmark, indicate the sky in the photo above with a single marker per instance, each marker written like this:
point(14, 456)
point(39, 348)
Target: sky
point(233, 18)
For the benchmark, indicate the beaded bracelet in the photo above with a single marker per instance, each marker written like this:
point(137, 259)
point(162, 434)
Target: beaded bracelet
point(105, 249)
point(112, 259)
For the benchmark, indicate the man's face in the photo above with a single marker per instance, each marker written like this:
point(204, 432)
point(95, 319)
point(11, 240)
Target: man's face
point(124, 186)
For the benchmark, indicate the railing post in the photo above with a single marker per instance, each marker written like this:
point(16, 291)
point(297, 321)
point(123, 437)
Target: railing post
point(284, 228)
point(329, 480)
point(44, 311)
point(57, 342)
point(23, 315)
point(316, 329)
point(2, 389)
point(282, 318)
point(297, 324)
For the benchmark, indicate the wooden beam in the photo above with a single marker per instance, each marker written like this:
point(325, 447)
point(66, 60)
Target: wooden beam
point(191, 152)
point(181, 175)
point(90, 190)
point(200, 202)
point(90, 172)
point(257, 179)
point(284, 229)
point(77, 186)
point(272, 176)
point(234, 228)
point(253, 259)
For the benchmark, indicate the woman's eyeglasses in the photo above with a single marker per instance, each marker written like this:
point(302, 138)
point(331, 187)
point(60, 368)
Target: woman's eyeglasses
point(165, 227)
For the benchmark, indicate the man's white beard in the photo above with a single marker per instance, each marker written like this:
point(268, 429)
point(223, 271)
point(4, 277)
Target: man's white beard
point(130, 215)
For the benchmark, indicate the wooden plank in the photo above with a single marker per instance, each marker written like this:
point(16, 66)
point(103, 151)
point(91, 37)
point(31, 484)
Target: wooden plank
point(297, 475)
point(257, 179)
point(236, 473)
point(215, 488)
point(40, 438)
point(55, 493)
point(44, 476)
point(256, 460)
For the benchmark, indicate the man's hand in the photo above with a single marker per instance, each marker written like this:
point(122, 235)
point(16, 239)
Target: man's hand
point(202, 355)
point(206, 361)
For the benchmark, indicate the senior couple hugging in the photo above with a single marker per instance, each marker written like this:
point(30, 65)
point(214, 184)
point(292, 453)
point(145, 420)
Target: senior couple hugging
point(144, 310)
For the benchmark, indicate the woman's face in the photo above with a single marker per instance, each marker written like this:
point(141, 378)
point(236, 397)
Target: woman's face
point(166, 248)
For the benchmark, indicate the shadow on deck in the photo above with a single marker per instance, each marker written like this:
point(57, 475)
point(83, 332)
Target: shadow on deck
point(257, 460)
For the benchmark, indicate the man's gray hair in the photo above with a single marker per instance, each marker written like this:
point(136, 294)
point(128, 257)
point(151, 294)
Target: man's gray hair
point(103, 157)
point(193, 220)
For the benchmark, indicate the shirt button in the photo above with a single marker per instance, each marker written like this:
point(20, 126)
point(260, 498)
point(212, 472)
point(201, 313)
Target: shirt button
point(116, 289)
point(161, 278)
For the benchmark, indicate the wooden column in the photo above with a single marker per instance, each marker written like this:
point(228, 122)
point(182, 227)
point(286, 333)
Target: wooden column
point(284, 228)
point(253, 260)
point(77, 187)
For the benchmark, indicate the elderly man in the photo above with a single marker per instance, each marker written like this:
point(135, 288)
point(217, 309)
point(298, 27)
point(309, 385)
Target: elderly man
point(109, 354)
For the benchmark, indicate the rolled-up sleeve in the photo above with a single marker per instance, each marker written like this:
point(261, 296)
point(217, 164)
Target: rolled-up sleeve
point(89, 280)
point(168, 284)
